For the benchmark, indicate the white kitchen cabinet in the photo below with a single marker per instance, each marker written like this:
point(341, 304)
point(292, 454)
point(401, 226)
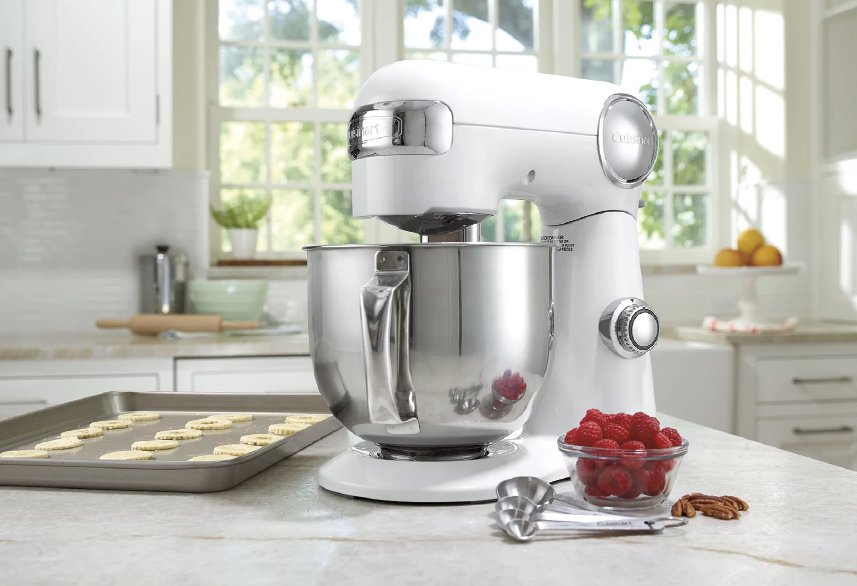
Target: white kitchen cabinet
point(801, 398)
point(11, 70)
point(96, 82)
point(269, 374)
point(29, 385)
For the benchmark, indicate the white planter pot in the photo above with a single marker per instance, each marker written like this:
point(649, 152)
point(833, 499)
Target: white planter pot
point(243, 242)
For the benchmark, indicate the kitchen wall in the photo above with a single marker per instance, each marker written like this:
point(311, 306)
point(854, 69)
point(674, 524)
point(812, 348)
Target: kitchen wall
point(70, 241)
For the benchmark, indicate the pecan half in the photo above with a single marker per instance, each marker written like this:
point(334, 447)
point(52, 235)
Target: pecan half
point(720, 512)
point(678, 508)
point(741, 503)
point(700, 502)
point(689, 511)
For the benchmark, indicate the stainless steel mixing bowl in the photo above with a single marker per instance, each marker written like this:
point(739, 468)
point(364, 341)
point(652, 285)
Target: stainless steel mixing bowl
point(430, 350)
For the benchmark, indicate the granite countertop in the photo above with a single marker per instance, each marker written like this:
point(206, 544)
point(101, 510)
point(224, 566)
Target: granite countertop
point(805, 333)
point(100, 344)
point(280, 527)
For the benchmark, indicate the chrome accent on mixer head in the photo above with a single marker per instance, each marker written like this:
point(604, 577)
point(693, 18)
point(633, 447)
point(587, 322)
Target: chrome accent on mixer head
point(466, 234)
point(629, 327)
point(407, 127)
point(627, 140)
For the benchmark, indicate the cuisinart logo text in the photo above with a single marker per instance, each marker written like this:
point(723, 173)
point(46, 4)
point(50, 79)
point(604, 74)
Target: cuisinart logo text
point(632, 139)
point(378, 127)
point(365, 131)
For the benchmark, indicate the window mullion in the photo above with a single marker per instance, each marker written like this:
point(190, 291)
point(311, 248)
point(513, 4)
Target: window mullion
point(668, 189)
point(316, 199)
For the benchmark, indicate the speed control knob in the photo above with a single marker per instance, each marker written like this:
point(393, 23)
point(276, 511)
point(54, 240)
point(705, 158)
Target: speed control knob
point(629, 327)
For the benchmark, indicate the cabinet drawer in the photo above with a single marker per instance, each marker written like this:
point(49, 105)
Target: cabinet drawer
point(831, 438)
point(807, 379)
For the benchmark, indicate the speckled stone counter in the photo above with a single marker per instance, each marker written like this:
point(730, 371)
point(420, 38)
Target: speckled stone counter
point(281, 528)
point(126, 345)
point(809, 333)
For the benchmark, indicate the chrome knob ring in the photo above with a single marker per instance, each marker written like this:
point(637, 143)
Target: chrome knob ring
point(629, 327)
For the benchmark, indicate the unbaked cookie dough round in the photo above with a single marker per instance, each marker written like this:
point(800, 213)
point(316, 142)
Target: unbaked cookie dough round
point(154, 445)
point(178, 434)
point(235, 449)
point(260, 439)
point(286, 429)
point(40, 454)
point(112, 424)
point(127, 455)
point(209, 423)
point(212, 458)
point(236, 417)
point(63, 443)
point(139, 416)
point(83, 433)
point(308, 419)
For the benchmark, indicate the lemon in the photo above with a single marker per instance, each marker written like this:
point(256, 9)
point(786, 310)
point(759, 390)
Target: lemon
point(749, 241)
point(729, 257)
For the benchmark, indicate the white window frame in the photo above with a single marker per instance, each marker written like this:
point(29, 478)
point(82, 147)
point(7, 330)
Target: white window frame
point(557, 50)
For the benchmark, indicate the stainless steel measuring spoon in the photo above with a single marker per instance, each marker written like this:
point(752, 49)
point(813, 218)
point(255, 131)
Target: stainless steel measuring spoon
point(541, 493)
point(523, 526)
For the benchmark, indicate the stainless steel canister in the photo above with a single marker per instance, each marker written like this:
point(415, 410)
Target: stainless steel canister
point(430, 350)
point(163, 279)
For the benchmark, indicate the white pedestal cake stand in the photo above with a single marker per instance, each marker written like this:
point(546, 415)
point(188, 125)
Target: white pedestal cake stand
point(749, 321)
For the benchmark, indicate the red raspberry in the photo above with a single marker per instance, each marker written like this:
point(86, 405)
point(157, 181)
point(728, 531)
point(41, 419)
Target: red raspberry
point(569, 436)
point(606, 443)
point(665, 465)
point(650, 481)
point(632, 493)
point(633, 461)
point(642, 429)
point(673, 435)
point(658, 442)
point(622, 419)
point(588, 470)
point(615, 480)
point(617, 433)
point(593, 490)
point(587, 434)
point(596, 416)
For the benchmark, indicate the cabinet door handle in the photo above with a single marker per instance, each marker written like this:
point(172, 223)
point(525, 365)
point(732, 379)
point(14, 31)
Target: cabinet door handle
point(37, 59)
point(814, 430)
point(827, 380)
point(9, 82)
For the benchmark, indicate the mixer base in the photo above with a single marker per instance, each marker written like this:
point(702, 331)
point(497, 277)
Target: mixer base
point(356, 474)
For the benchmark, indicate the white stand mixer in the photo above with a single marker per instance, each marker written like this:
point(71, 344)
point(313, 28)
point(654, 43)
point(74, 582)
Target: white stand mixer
point(434, 149)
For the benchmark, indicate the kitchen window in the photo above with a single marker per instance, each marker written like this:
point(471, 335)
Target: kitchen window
point(289, 69)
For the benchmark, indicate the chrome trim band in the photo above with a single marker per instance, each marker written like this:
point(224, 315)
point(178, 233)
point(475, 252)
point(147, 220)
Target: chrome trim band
point(409, 127)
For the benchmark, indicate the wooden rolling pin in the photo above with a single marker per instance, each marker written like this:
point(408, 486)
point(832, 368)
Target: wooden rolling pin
point(152, 324)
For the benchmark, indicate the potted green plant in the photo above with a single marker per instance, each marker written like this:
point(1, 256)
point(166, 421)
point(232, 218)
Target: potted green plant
point(241, 217)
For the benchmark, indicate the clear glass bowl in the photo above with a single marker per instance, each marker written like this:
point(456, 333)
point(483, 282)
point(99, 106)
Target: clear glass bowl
point(622, 479)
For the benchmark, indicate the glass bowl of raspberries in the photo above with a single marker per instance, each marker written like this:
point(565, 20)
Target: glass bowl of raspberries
point(622, 461)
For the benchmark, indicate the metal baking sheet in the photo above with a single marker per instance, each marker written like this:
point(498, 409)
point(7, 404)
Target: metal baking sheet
point(170, 470)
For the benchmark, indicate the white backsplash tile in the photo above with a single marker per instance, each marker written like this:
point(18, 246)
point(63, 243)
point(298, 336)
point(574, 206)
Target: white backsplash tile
point(70, 241)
